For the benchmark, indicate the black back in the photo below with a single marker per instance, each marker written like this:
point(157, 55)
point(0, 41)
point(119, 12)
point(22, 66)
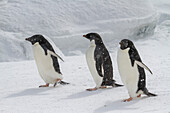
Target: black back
point(46, 46)
point(102, 58)
point(134, 55)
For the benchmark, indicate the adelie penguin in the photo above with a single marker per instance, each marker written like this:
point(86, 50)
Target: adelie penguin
point(99, 62)
point(46, 60)
point(131, 69)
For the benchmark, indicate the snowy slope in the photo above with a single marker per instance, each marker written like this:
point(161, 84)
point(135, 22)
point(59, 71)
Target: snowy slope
point(65, 21)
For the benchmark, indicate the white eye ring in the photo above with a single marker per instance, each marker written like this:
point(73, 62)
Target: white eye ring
point(126, 44)
point(91, 36)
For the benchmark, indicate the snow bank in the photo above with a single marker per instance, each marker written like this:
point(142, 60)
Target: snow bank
point(65, 22)
point(12, 48)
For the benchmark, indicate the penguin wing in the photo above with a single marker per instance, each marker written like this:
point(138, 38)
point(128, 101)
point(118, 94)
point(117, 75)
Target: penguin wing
point(99, 66)
point(143, 65)
point(54, 54)
point(48, 49)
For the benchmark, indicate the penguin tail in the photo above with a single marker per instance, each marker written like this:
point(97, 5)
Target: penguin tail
point(151, 94)
point(114, 84)
point(146, 92)
point(63, 83)
point(117, 85)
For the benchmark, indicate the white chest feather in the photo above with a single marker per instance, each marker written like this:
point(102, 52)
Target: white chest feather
point(45, 65)
point(129, 75)
point(92, 64)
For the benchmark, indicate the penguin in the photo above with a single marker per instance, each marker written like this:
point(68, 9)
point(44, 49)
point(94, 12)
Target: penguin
point(131, 69)
point(99, 63)
point(46, 60)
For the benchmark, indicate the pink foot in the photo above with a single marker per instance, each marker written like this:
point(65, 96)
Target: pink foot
point(139, 95)
point(44, 85)
point(127, 100)
point(57, 80)
point(103, 87)
point(91, 89)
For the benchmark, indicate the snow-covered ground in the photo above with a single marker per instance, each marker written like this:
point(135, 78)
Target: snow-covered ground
point(19, 92)
point(19, 81)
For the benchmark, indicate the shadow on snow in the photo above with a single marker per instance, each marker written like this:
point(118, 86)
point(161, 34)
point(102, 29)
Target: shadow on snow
point(31, 91)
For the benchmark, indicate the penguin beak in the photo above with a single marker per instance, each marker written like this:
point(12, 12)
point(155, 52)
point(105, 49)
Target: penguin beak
point(28, 39)
point(84, 35)
point(121, 44)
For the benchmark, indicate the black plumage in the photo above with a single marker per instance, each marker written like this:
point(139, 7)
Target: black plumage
point(134, 56)
point(46, 46)
point(102, 60)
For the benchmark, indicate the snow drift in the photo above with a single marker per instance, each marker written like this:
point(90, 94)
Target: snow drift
point(66, 21)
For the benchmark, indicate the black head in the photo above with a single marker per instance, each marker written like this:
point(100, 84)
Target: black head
point(94, 36)
point(125, 43)
point(36, 38)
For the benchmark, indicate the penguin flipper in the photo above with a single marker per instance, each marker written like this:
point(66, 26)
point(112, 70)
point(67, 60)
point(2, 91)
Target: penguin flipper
point(99, 68)
point(143, 66)
point(54, 54)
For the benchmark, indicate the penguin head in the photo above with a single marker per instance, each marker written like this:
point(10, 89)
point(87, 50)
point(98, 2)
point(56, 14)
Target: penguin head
point(94, 36)
point(126, 43)
point(36, 38)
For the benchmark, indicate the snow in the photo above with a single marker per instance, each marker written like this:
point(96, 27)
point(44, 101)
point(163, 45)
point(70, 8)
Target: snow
point(19, 81)
point(19, 92)
point(66, 21)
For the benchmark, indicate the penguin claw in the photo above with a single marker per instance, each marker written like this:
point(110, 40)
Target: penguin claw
point(128, 100)
point(91, 89)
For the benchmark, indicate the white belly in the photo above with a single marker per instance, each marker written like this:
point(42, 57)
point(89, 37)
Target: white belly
point(92, 65)
point(129, 75)
point(45, 65)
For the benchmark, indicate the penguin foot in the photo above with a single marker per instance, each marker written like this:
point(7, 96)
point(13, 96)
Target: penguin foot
point(103, 87)
point(57, 80)
point(106, 87)
point(91, 89)
point(139, 95)
point(44, 85)
point(55, 84)
point(127, 100)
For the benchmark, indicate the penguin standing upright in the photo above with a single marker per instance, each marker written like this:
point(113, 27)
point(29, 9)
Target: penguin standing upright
point(131, 69)
point(46, 60)
point(99, 62)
